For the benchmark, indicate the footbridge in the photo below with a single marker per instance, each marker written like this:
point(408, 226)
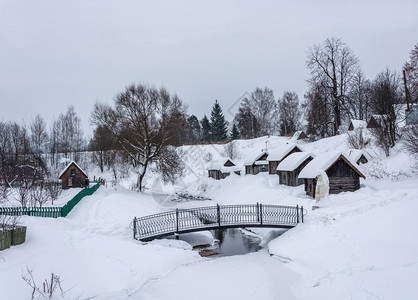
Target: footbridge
point(216, 217)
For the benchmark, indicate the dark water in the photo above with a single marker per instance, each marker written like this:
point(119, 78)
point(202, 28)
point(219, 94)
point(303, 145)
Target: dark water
point(232, 242)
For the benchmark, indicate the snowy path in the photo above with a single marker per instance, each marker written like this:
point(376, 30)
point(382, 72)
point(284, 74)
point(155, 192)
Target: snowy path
point(244, 277)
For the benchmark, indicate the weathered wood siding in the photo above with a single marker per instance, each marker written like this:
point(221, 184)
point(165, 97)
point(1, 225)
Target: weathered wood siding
point(310, 186)
point(274, 163)
point(73, 178)
point(343, 184)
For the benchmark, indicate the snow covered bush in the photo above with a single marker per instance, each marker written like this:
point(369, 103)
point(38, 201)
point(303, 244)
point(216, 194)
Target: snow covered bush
point(358, 139)
point(410, 139)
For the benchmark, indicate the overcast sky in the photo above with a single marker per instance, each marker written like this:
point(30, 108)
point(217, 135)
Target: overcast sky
point(55, 53)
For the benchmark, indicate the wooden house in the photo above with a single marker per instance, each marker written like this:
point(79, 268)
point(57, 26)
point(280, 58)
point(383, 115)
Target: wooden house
point(259, 164)
point(343, 174)
point(300, 135)
point(73, 177)
point(376, 121)
point(357, 124)
point(277, 155)
point(357, 156)
point(291, 166)
point(221, 170)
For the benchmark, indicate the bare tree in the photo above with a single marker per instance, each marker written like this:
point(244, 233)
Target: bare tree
point(357, 139)
point(359, 97)
point(142, 122)
point(39, 195)
point(411, 75)
point(289, 113)
point(38, 138)
point(410, 139)
point(262, 105)
point(318, 113)
point(385, 99)
point(230, 150)
point(333, 65)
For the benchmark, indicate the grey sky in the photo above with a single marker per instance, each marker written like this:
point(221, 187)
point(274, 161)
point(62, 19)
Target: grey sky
point(55, 53)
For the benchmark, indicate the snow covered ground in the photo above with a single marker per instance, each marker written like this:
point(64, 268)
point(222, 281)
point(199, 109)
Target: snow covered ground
point(362, 246)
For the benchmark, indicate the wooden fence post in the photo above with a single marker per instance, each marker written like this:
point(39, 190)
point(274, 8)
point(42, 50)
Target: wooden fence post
point(261, 214)
point(297, 213)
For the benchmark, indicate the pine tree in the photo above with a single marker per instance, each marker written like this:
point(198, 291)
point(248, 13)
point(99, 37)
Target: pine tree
point(218, 123)
point(205, 130)
point(234, 132)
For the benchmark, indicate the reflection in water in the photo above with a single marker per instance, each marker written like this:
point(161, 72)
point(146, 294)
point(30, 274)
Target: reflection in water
point(234, 242)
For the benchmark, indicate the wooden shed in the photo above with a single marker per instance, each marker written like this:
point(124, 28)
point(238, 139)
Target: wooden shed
point(343, 174)
point(357, 155)
point(357, 124)
point(73, 177)
point(259, 164)
point(277, 155)
point(300, 135)
point(376, 121)
point(291, 166)
point(221, 170)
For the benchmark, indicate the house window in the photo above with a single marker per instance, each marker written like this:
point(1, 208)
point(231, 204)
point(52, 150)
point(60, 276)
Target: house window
point(70, 182)
point(72, 172)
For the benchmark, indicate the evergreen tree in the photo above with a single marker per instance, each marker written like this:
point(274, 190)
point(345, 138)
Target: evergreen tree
point(234, 132)
point(205, 129)
point(218, 123)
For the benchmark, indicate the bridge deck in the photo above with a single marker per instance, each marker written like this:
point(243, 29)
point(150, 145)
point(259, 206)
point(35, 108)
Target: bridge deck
point(216, 217)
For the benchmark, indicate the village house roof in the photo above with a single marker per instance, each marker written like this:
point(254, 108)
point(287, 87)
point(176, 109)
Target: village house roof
point(357, 124)
point(220, 166)
point(251, 162)
point(324, 161)
point(279, 153)
point(299, 135)
point(294, 160)
point(68, 166)
point(355, 154)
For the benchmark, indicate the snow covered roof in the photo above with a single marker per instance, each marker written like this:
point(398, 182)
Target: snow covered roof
point(250, 162)
point(324, 161)
point(261, 162)
point(354, 154)
point(299, 135)
point(358, 124)
point(279, 153)
point(294, 160)
point(69, 165)
point(220, 166)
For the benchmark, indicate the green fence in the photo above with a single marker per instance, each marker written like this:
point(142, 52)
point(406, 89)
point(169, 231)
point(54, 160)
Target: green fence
point(12, 237)
point(77, 198)
point(50, 212)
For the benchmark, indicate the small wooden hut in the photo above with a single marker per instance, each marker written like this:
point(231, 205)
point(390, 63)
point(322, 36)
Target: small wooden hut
point(277, 155)
point(259, 164)
point(291, 166)
point(300, 135)
point(357, 124)
point(73, 177)
point(357, 156)
point(221, 170)
point(376, 121)
point(343, 174)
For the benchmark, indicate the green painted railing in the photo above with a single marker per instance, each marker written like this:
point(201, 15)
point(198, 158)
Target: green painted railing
point(50, 212)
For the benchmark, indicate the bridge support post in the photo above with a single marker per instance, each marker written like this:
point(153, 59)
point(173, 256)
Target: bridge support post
point(218, 209)
point(134, 227)
point(301, 212)
point(258, 212)
point(177, 220)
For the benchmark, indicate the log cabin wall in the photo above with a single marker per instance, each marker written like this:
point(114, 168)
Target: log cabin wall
point(73, 178)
